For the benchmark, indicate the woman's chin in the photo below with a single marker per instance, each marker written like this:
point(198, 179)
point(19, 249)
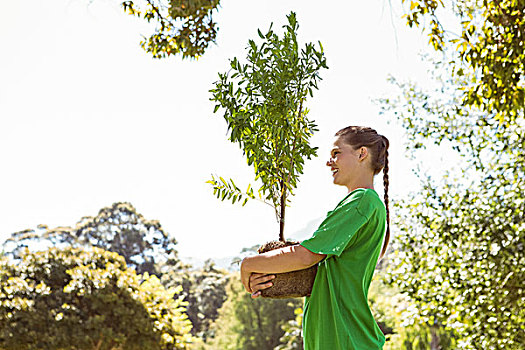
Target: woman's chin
point(337, 182)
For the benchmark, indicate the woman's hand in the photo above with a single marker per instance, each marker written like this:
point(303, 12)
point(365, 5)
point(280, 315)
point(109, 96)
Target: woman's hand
point(291, 258)
point(258, 282)
point(255, 282)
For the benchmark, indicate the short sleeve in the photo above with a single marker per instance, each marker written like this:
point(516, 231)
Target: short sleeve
point(336, 231)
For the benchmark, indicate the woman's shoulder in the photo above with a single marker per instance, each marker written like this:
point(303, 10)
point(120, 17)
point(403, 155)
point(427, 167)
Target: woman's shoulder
point(361, 194)
point(366, 200)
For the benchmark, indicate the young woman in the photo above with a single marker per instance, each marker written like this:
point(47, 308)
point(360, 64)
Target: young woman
point(346, 246)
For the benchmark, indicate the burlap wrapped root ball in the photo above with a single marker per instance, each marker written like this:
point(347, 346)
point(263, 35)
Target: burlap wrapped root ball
point(294, 284)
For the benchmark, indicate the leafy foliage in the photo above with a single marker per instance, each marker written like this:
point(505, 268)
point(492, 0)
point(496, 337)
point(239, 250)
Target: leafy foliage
point(205, 292)
point(293, 337)
point(183, 27)
point(399, 320)
point(227, 189)
point(458, 252)
point(490, 48)
point(263, 102)
point(247, 324)
point(74, 298)
point(467, 246)
point(458, 255)
point(118, 228)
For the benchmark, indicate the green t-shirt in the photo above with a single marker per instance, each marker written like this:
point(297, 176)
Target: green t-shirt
point(337, 315)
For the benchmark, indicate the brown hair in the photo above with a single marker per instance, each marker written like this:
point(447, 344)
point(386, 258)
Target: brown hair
point(360, 136)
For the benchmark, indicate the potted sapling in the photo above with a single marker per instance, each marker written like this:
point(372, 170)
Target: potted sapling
point(263, 102)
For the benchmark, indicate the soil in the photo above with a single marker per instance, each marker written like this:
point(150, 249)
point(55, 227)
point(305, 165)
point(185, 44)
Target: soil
point(293, 284)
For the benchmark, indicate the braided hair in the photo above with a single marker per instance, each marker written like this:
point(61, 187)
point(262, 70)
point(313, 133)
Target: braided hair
point(360, 136)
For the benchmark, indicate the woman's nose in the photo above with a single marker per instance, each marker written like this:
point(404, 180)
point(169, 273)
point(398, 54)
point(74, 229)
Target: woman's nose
point(329, 162)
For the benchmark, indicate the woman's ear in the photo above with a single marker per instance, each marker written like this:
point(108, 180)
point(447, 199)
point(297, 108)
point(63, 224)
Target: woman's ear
point(363, 153)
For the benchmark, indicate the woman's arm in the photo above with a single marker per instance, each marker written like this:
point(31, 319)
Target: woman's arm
point(285, 259)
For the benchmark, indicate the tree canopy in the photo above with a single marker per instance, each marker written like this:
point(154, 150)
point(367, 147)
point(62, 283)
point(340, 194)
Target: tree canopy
point(458, 252)
point(459, 242)
point(204, 290)
point(86, 299)
point(489, 48)
point(118, 228)
point(182, 27)
point(248, 324)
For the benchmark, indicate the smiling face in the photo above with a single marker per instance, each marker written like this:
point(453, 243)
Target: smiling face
point(347, 164)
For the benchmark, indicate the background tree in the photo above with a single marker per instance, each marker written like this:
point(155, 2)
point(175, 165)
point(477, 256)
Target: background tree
point(399, 320)
point(119, 228)
point(463, 234)
point(145, 246)
point(489, 48)
point(458, 252)
point(184, 27)
point(59, 299)
point(292, 338)
point(15, 246)
point(247, 324)
point(263, 102)
point(204, 290)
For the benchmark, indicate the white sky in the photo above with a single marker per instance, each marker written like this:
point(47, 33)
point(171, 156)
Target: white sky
point(87, 118)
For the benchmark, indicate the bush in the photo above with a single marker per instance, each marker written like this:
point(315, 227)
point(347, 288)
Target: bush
point(86, 299)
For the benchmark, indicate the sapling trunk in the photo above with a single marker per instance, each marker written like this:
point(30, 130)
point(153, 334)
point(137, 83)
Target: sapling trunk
point(283, 207)
point(285, 186)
